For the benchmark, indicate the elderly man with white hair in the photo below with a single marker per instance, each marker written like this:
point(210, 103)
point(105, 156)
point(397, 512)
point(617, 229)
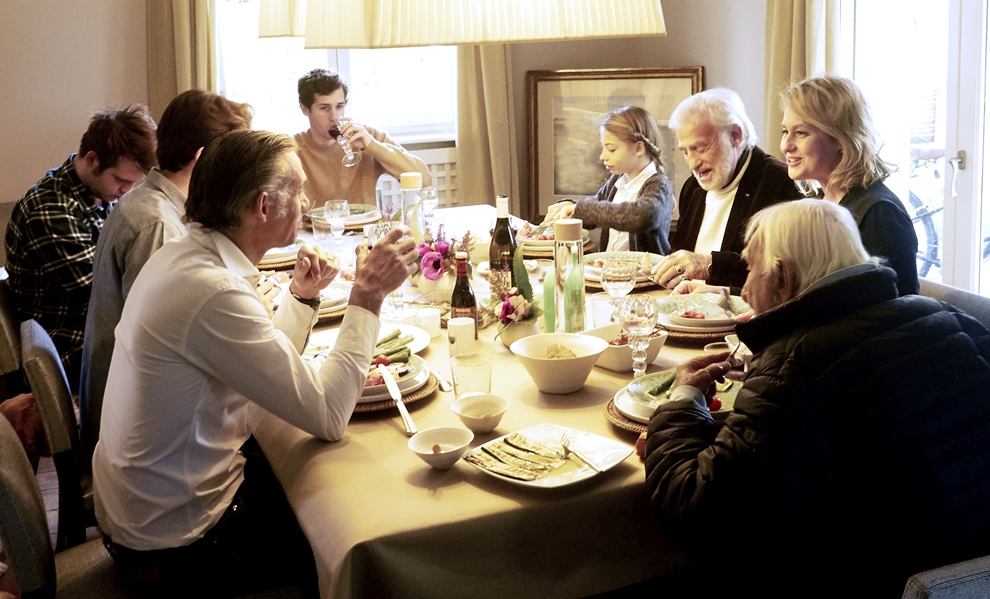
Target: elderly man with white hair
point(858, 448)
point(733, 180)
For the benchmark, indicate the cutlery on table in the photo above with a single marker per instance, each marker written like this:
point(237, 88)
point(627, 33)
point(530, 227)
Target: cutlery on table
point(566, 440)
point(393, 390)
point(721, 299)
point(445, 385)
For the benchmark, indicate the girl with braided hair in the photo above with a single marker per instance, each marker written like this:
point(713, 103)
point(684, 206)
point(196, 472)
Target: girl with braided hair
point(636, 203)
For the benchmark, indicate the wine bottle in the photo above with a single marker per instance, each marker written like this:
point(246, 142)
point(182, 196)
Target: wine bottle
point(462, 302)
point(501, 277)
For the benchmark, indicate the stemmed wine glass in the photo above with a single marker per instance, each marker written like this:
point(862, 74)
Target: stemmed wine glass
point(638, 314)
point(618, 279)
point(351, 158)
point(394, 307)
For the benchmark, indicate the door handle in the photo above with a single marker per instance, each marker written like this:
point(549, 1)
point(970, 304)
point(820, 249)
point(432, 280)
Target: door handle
point(958, 163)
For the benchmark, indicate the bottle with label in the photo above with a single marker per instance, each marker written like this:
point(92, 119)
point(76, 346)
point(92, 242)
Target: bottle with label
point(568, 257)
point(501, 252)
point(462, 302)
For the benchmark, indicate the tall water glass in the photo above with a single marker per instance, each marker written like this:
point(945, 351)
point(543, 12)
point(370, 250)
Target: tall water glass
point(394, 307)
point(429, 199)
point(638, 314)
point(618, 279)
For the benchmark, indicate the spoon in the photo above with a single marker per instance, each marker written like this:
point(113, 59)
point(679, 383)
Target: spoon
point(445, 385)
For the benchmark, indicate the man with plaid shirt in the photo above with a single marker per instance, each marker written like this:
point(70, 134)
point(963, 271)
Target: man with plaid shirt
point(52, 233)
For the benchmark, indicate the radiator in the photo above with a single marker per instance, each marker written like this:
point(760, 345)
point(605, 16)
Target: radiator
point(442, 163)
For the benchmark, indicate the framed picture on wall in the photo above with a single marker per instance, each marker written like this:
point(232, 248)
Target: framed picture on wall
point(564, 109)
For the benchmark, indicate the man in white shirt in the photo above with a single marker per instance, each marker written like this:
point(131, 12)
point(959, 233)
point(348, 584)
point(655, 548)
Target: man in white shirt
point(733, 180)
point(198, 362)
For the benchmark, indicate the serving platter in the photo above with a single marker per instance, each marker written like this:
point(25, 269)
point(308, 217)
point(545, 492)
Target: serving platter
point(603, 452)
point(324, 340)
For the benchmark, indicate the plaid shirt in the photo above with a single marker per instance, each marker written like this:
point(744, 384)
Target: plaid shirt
point(50, 241)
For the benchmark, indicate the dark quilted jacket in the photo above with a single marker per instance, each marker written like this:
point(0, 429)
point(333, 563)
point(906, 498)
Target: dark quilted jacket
point(647, 218)
point(859, 446)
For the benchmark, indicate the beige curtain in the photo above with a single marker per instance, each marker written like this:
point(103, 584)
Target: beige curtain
point(486, 132)
point(181, 53)
point(802, 40)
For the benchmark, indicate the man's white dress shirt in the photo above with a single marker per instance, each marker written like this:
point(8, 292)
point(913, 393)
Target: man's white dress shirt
point(196, 363)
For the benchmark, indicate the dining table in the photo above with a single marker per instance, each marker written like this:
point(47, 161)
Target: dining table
point(383, 523)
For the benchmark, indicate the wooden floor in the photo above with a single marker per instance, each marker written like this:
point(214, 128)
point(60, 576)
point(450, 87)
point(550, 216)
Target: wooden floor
point(48, 481)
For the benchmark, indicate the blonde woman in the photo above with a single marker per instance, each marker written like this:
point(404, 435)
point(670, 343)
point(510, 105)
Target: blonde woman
point(832, 152)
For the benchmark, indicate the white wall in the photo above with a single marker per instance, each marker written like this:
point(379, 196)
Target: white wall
point(60, 60)
point(726, 37)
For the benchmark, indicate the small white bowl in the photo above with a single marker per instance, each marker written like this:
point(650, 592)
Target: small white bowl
point(619, 357)
point(481, 412)
point(562, 375)
point(450, 442)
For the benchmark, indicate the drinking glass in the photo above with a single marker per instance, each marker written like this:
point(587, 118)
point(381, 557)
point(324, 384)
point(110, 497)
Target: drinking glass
point(638, 314)
point(394, 307)
point(336, 213)
point(389, 205)
point(351, 158)
point(618, 279)
point(429, 200)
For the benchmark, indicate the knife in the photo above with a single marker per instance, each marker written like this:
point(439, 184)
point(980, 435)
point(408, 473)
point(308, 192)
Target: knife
point(393, 390)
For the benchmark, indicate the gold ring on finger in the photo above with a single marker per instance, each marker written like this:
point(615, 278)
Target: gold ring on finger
point(679, 269)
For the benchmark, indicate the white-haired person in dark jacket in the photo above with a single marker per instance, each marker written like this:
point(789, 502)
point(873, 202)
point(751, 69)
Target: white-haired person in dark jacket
point(859, 446)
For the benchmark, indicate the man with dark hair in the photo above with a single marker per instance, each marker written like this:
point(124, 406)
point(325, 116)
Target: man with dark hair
point(323, 98)
point(52, 234)
point(198, 362)
point(144, 219)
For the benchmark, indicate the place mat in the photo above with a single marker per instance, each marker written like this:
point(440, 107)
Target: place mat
point(694, 338)
point(281, 265)
point(613, 415)
point(432, 384)
point(335, 313)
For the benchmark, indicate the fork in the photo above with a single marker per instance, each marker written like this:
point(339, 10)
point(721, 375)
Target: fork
point(721, 299)
point(566, 440)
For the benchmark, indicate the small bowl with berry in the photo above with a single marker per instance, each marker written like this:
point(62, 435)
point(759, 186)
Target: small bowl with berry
point(618, 356)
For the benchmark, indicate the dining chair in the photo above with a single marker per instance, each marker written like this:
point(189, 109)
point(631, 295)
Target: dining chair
point(86, 570)
point(46, 378)
point(10, 343)
point(975, 305)
point(963, 580)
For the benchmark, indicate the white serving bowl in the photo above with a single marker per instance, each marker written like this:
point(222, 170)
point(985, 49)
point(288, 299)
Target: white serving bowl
point(453, 442)
point(619, 357)
point(480, 412)
point(563, 375)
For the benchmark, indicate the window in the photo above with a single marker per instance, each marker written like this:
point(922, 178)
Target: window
point(411, 93)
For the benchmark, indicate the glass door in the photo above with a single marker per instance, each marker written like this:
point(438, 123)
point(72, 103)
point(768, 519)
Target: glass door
point(922, 66)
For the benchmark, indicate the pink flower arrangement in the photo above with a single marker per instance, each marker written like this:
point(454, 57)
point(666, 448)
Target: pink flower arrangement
point(436, 256)
point(515, 307)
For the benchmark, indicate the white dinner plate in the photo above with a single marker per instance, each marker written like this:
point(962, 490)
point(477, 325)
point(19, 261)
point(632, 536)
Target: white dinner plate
point(276, 255)
point(605, 453)
point(666, 323)
point(636, 402)
point(545, 243)
point(335, 295)
point(411, 381)
point(595, 272)
point(532, 267)
point(714, 320)
point(323, 340)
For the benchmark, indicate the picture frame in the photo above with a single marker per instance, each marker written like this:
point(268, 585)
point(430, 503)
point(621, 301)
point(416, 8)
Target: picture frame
point(564, 109)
